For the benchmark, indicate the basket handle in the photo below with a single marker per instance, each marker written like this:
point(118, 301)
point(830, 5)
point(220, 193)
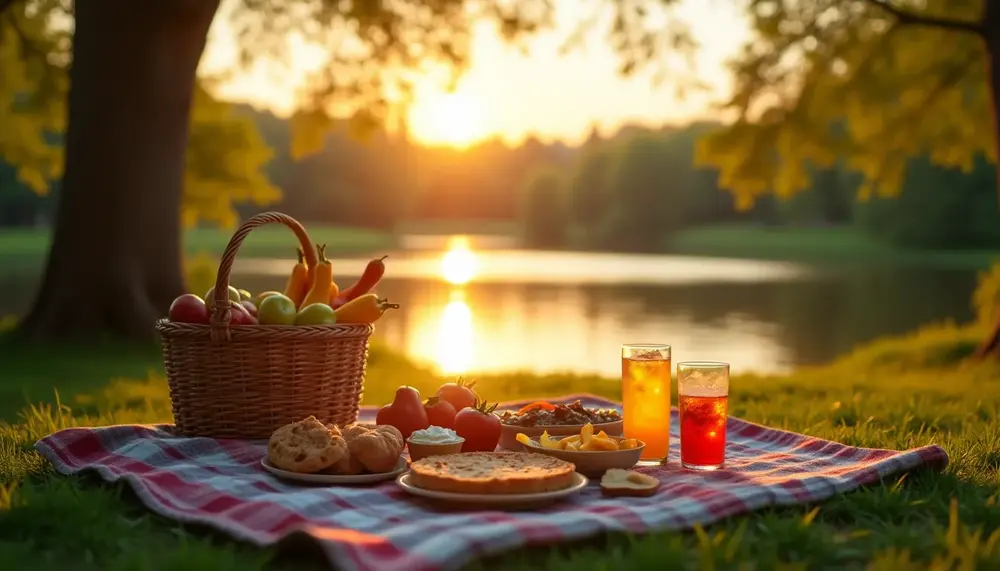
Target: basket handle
point(222, 312)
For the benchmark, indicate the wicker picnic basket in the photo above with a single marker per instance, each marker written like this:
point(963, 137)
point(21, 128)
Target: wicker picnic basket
point(244, 381)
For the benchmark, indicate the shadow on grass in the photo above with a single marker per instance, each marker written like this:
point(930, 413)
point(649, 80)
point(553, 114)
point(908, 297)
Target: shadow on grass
point(35, 373)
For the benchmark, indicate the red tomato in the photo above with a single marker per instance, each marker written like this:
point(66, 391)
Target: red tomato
point(406, 412)
point(240, 316)
point(479, 427)
point(440, 412)
point(459, 394)
point(188, 308)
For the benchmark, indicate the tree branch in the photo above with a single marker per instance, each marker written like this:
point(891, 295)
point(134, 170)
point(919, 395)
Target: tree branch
point(905, 17)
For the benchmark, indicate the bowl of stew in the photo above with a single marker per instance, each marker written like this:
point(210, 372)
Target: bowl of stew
point(556, 420)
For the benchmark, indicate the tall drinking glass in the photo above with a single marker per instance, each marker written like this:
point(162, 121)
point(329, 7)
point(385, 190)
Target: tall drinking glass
point(703, 395)
point(646, 399)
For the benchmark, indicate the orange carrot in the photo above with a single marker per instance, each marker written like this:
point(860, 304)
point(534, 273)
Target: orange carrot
point(299, 280)
point(319, 291)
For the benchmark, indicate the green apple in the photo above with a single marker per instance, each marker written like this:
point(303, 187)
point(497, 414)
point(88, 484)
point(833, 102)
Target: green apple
point(315, 314)
point(234, 295)
point(276, 309)
point(245, 295)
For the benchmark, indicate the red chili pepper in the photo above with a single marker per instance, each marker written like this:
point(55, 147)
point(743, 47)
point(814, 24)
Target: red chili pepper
point(540, 405)
point(371, 276)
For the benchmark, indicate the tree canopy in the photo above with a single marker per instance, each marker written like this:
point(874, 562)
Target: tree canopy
point(868, 82)
point(226, 155)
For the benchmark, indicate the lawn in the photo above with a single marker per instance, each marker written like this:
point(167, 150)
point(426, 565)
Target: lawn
point(815, 244)
point(896, 393)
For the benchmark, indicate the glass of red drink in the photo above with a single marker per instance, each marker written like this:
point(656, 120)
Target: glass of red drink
point(703, 399)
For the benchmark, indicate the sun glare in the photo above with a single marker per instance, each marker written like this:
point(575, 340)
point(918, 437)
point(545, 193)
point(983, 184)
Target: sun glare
point(456, 348)
point(458, 265)
point(452, 119)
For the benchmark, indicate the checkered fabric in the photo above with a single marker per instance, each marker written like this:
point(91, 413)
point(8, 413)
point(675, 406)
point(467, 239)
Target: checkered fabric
point(220, 483)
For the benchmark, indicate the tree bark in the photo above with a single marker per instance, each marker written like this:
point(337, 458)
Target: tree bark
point(991, 37)
point(115, 261)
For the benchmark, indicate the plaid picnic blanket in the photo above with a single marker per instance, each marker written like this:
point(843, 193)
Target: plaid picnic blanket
point(380, 528)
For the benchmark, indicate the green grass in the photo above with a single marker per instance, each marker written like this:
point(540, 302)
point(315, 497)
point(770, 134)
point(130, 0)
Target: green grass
point(895, 393)
point(831, 244)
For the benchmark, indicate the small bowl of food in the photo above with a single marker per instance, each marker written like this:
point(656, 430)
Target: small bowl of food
point(433, 441)
point(556, 420)
point(593, 454)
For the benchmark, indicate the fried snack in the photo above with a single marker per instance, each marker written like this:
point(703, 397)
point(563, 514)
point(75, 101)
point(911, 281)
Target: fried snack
point(369, 448)
point(306, 447)
point(616, 482)
point(348, 465)
point(378, 449)
point(586, 441)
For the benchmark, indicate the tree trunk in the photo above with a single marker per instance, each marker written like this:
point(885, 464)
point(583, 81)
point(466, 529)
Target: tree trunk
point(115, 261)
point(991, 25)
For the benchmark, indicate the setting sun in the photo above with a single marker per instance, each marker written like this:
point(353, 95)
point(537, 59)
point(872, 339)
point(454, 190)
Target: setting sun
point(453, 119)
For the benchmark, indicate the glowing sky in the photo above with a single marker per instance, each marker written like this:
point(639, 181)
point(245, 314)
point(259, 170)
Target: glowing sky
point(513, 95)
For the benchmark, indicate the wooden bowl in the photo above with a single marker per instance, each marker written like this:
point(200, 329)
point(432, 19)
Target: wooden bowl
point(420, 450)
point(593, 463)
point(508, 432)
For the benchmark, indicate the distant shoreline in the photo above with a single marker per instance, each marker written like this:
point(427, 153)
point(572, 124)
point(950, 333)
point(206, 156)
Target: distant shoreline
point(26, 247)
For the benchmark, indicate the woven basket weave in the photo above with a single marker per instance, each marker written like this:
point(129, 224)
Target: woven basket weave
point(244, 381)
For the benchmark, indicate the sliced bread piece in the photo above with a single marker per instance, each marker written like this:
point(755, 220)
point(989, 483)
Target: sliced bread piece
point(617, 482)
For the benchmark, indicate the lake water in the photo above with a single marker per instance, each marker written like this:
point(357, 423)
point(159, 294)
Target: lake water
point(503, 310)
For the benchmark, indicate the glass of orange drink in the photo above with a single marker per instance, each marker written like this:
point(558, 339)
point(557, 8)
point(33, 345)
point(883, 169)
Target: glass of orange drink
point(646, 399)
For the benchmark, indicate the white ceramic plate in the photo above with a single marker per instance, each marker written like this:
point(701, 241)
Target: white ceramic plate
point(401, 466)
point(494, 500)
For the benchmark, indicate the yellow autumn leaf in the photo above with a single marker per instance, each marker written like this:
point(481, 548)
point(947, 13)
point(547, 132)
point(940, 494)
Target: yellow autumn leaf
point(309, 129)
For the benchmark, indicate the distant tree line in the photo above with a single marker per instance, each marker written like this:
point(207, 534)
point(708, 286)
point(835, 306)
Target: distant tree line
point(627, 192)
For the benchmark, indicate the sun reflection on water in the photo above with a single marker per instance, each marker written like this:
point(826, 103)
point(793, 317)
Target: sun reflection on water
point(456, 339)
point(456, 342)
point(458, 266)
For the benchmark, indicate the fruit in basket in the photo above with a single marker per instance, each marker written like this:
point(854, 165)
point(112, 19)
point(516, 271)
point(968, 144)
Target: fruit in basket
point(249, 306)
point(240, 316)
point(188, 308)
point(440, 412)
point(369, 278)
point(276, 309)
point(479, 427)
point(405, 412)
point(266, 294)
point(316, 314)
point(299, 280)
point(460, 394)
point(234, 295)
point(245, 295)
point(366, 309)
point(322, 276)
